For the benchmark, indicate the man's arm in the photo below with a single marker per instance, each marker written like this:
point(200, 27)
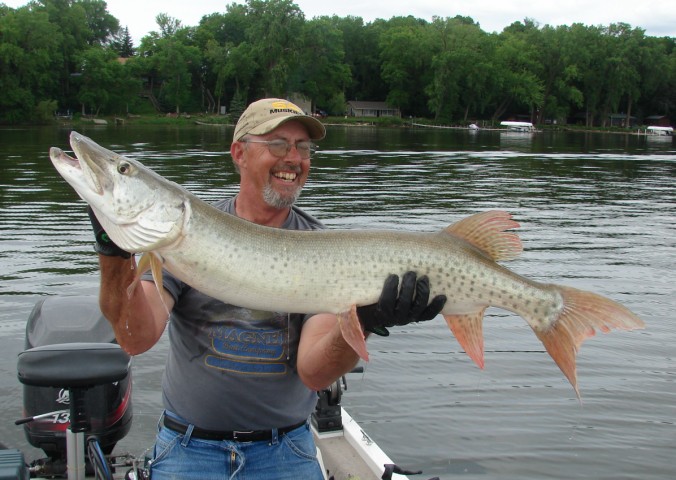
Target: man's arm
point(138, 320)
point(323, 353)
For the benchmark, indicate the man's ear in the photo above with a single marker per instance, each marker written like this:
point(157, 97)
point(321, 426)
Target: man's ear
point(237, 153)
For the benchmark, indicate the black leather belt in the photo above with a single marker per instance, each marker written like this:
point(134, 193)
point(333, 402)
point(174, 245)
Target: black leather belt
point(250, 436)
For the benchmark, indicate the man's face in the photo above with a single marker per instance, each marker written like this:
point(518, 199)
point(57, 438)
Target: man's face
point(278, 179)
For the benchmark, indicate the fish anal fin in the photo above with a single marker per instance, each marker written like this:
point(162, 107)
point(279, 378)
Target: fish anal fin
point(468, 331)
point(352, 332)
point(487, 231)
point(582, 315)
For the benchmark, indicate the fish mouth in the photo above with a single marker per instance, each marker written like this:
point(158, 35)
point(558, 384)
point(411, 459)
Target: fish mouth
point(59, 155)
point(86, 152)
point(75, 171)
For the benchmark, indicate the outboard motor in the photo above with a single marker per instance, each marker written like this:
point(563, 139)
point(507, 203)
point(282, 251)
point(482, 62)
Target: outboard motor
point(71, 319)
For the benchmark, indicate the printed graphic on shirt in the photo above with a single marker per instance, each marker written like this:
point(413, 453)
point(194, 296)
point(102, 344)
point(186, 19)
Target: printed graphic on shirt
point(253, 348)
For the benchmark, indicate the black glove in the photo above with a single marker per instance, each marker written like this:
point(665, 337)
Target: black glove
point(104, 245)
point(400, 307)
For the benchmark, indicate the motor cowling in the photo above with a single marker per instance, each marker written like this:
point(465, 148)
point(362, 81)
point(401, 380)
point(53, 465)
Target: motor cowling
point(69, 319)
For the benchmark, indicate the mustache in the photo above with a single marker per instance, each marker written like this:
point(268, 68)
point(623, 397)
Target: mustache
point(287, 168)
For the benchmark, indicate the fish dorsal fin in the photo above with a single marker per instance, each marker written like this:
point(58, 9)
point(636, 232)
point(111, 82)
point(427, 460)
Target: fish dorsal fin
point(487, 232)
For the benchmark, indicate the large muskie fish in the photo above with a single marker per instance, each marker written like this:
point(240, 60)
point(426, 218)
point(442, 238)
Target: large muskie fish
point(265, 268)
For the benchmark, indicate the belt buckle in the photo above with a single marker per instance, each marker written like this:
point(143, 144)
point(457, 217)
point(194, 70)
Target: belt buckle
point(235, 433)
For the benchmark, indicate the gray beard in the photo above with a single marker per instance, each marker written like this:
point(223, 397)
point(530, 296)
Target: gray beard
point(275, 200)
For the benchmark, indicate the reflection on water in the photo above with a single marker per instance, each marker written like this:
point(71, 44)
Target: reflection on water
point(596, 212)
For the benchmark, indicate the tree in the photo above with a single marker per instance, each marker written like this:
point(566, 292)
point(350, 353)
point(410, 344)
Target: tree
point(518, 70)
point(105, 82)
point(592, 70)
point(29, 56)
point(323, 74)
point(83, 24)
point(274, 33)
point(557, 55)
point(122, 43)
point(228, 60)
point(171, 59)
point(53, 52)
point(362, 58)
point(460, 67)
point(406, 56)
point(624, 59)
point(169, 26)
point(102, 25)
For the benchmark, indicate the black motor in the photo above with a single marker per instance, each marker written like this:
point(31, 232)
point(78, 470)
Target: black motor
point(57, 320)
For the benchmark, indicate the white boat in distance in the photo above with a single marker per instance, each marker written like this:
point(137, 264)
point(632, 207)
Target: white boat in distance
point(518, 126)
point(661, 131)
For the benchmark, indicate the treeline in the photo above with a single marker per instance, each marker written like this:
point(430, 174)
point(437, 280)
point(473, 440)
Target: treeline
point(58, 55)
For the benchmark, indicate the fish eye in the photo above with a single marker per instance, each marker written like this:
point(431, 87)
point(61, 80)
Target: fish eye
point(124, 168)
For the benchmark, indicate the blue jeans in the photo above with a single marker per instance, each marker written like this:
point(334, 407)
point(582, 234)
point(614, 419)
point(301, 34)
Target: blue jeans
point(290, 456)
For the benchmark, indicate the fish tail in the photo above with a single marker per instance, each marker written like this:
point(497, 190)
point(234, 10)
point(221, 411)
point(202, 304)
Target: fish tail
point(582, 315)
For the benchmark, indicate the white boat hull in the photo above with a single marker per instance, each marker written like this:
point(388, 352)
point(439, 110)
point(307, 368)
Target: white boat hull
point(351, 453)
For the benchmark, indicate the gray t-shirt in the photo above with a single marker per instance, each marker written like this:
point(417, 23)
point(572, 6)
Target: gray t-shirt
point(231, 368)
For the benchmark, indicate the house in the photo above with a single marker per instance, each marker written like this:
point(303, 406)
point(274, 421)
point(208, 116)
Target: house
point(657, 120)
point(371, 109)
point(303, 102)
point(620, 120)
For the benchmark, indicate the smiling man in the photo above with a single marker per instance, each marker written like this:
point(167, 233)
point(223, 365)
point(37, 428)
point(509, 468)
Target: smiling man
point(239, 385)
point(271, 150)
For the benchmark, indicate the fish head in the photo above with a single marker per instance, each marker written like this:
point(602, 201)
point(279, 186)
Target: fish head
point(140, 210)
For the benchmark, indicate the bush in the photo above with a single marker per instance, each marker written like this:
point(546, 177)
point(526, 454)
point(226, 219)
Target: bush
point(44, 111)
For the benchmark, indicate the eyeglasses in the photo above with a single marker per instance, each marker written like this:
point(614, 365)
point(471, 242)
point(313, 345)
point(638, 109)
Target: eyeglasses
point(281, 148)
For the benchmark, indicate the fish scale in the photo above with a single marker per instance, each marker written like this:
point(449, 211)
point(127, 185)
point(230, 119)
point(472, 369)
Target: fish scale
point(334, 271)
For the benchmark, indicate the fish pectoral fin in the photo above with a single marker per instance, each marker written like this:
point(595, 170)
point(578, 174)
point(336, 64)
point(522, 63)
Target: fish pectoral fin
point(350, 327)
point(583, 313)
point(488, 232)
point(468, 331)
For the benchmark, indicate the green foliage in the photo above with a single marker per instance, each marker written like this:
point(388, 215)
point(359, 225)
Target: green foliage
point(448, 69)
point(406, 59)
point(122, 43)
point(237, 106)
point(105, 83)
point(44, 111)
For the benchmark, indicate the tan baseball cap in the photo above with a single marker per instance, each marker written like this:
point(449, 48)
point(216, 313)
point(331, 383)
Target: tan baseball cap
point(263, 116)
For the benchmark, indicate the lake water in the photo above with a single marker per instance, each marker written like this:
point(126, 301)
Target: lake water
point(597, 212)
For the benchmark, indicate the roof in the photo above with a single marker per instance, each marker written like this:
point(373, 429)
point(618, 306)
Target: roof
point(370, 105)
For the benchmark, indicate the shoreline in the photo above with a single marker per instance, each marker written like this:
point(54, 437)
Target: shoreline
point(224, 121)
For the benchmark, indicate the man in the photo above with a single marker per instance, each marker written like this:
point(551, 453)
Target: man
point(239, 385)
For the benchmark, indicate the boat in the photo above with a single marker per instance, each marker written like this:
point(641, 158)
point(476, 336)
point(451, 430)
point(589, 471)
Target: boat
point(344, 449)
point(69, 343)
point(525, 127)
point(659, 131)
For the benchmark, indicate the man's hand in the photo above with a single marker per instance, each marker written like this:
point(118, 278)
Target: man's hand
point(400, 307)
point(104, 245)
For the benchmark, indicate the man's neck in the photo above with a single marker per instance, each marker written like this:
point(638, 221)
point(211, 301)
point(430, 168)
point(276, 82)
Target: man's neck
point(260, 212)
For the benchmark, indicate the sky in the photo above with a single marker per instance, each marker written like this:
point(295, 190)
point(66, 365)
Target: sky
point(656, 17)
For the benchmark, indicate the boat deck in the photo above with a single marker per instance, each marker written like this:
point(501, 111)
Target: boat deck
point(350, 453)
